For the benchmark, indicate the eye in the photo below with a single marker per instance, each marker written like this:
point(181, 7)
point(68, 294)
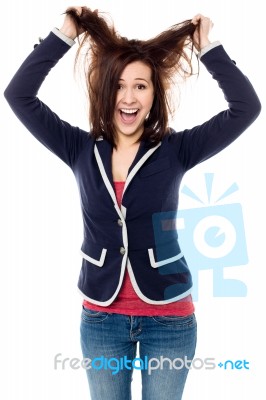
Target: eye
point(119, 86)
point(140, 86)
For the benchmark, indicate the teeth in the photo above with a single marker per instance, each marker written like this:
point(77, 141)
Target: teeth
point(127, 111)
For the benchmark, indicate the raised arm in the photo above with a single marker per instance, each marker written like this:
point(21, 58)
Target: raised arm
point(57, 135)
point(201, 142)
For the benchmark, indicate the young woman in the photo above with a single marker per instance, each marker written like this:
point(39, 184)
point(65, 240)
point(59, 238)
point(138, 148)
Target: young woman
point(135, 283)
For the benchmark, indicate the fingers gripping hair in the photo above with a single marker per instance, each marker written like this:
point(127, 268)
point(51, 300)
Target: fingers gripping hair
point(167, 48)
point(95, 28)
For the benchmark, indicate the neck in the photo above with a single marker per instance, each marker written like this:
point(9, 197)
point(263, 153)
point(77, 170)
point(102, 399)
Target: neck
point(126, 143)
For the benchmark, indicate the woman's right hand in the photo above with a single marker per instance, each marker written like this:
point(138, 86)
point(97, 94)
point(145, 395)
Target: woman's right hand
point(69, 27)
point(201, 35)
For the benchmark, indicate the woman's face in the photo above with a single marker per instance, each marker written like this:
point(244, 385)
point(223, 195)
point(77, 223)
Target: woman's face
point(134, 100)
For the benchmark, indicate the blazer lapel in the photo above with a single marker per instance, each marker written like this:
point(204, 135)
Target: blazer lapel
point(103, 153)
point(144, 152)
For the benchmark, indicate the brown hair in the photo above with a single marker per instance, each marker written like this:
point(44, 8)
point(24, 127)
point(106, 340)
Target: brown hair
point(109, 53)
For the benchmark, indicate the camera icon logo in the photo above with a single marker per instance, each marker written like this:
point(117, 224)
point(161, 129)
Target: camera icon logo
point(211, 237)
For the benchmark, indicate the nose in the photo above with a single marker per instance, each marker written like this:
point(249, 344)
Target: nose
point(129, 96)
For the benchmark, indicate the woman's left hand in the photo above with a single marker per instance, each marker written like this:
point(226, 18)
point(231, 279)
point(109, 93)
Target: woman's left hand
point(201, 35)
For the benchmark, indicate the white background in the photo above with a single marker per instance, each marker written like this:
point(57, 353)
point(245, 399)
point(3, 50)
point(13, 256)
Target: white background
point(41, 227)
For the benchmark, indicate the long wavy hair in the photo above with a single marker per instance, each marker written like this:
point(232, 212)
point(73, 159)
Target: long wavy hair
point(167, 54)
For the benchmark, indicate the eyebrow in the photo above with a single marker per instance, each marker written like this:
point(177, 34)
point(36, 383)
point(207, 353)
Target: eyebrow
point(136, 79)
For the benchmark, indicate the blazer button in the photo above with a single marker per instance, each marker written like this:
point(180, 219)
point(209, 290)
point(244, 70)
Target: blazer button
point(122, 250)
point(120, 222)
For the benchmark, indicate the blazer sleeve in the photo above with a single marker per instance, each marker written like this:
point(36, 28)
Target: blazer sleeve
point(60, 137)
point(202, 142)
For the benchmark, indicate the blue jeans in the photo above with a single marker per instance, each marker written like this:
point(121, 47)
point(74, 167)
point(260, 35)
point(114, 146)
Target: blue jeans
point(109, 347)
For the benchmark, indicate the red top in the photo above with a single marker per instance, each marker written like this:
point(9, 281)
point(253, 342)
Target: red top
point(127, 301)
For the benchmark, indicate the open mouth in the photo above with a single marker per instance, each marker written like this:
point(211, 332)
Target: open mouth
point(128, 115)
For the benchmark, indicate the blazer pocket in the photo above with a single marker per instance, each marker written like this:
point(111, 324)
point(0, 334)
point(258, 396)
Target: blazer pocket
point(93, 253)
point(155, 167)
point(171, 257)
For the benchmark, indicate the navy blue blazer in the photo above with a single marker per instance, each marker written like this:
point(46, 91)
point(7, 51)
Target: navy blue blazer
point(116, 237)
